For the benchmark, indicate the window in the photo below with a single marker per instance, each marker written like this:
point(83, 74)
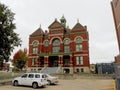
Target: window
point(66, 45)
point(78, 40)
point(37, 76)
point(66, 41)
point(35, 50)
point(56, 45)
point(82, 70)
point(66, 48)
point(79, 60)
point(30, 75)
point(33, 61)
point(35, 43)
point(43, 76)
point(46, 43)
point(56, 32)
point(79, 46)
point(56, 49)
point(35, 47)
point(56, 42)
point(24, 76)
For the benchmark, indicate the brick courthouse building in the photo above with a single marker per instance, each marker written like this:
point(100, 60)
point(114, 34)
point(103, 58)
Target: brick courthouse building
point(61, 47)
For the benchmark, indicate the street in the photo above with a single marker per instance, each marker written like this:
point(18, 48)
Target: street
point(76, 84)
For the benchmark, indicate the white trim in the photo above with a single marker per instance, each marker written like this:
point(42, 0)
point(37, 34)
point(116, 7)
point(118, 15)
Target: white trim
point(55, 38)
point(77, 37)
point(35, 41)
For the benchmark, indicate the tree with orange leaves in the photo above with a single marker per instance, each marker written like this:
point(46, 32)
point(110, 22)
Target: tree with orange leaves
point(20, 59)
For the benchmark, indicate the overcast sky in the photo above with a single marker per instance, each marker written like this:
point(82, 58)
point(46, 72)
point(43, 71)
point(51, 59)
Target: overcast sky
point(95, 14)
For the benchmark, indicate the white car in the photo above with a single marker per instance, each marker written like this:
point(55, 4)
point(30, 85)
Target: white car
point(51, 79)
point(31, 79)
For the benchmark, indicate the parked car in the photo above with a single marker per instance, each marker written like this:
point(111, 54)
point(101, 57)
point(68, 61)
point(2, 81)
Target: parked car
point(31, 79)
point(51, 79)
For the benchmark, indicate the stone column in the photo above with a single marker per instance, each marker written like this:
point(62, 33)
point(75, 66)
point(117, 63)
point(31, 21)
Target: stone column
point(60, 60)
point(71, 61)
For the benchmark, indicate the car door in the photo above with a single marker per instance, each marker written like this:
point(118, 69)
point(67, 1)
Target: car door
point(30, 79)
point(24, 79)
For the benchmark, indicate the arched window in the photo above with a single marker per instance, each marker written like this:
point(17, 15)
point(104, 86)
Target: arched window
point(78, 44)
point(35, 43)
point(66, 41)
point(66, 45)
point(46, 43)
point(56, 45)
point(35, 47)
point(78, 40)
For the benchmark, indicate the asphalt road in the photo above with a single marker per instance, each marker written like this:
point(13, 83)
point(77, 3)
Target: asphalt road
point(76, 84)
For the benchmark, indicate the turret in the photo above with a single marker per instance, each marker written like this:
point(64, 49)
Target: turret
point(63, 21)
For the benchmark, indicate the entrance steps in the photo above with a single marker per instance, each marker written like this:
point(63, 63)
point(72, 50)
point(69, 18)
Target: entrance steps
point(50, 70)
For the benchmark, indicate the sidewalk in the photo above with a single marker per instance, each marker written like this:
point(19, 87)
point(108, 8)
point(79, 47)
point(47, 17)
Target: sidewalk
point(5, 82)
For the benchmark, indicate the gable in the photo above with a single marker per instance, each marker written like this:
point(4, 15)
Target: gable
point(78, 26)
point(55, 24)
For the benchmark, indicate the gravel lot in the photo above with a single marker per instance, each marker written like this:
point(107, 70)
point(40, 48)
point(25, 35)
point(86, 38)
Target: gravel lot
point(75, 84)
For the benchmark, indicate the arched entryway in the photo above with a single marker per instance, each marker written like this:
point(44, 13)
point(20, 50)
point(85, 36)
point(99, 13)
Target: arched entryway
point(53, 61)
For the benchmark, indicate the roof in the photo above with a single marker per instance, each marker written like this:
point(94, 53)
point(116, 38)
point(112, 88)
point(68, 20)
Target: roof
point(55, 24)
point(38, 31)
point(78, 26)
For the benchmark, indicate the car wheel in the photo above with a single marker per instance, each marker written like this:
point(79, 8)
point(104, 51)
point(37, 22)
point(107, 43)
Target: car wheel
point(49, 82)
point(34, 85)
point(15, 83)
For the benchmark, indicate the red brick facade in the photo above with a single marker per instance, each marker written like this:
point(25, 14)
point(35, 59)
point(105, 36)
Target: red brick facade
point(60, 47)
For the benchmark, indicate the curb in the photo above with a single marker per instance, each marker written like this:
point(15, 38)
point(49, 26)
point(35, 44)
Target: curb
point(5, 82)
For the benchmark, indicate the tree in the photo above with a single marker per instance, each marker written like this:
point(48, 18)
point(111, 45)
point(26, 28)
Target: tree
point(20, 59)
point(8, 38)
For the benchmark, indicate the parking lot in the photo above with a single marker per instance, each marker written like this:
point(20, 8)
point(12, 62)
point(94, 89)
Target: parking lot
point(75, 84)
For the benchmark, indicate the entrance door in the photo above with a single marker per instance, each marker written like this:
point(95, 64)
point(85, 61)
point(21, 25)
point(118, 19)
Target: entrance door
point(53, 61)
point(41, 61)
